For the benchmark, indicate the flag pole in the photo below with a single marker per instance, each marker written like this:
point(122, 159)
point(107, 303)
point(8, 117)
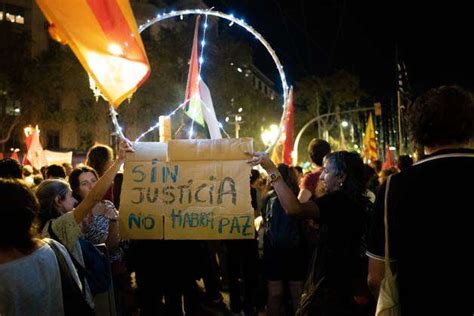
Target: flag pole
point(400, 137)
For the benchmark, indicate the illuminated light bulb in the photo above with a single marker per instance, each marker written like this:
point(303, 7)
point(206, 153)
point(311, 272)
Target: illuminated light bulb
point(115, 49)
point(231, 23)
point(203, 43)
point(201, 60)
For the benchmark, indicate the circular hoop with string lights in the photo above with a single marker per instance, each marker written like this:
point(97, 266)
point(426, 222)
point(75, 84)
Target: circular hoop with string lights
point(233, 20)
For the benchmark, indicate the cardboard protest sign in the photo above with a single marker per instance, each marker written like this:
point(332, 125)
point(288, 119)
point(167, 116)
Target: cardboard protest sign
point(187, 189)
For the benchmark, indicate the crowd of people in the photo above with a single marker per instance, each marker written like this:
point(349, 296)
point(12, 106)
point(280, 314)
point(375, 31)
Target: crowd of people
point(319, 236)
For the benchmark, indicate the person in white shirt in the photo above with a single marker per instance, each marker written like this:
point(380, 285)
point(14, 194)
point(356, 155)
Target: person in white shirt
point(30, 279)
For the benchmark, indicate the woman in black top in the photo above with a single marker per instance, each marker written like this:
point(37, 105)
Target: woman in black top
point(337, 278)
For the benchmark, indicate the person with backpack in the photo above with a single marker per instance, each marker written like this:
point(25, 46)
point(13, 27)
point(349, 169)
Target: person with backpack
point(61, 220)
point(284, 254)
point(37, 276)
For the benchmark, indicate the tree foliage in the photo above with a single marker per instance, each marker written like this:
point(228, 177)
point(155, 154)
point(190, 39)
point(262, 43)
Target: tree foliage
point(325, 98)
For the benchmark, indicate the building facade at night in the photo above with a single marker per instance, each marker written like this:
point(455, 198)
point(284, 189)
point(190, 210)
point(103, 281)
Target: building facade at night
point(64, 127)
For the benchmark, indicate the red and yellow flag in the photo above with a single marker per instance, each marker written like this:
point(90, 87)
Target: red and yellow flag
point(277, 153)
point(103, 35)
point(370, 143)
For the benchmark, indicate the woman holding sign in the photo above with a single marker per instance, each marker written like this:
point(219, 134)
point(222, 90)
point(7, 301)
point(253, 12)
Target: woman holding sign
point(58, 211)
point(336, 284)
point(101, 226)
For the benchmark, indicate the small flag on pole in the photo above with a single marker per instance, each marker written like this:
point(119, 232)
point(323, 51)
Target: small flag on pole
point(388, 158)
point(200, 107)
point(35, 155)
point(194, 108)
point(403, 100)
point(370, 144)
point(288, 132)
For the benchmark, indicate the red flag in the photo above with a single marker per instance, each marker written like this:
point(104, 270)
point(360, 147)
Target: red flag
point(29, 138)
point(388, 159)
point(288, 132)
point(35, 151)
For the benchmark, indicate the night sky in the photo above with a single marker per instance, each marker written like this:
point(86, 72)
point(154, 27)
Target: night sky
point(316, 37)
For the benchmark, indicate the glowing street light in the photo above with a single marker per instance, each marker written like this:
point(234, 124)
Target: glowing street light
point(270, 135)
point(344, 124)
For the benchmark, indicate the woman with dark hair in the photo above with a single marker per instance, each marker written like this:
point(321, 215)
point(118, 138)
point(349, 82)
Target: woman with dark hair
point(99, 158)
point(59, 213)
point(336, 282)
point(101, 225)
point(317, 150)
point(30, 280)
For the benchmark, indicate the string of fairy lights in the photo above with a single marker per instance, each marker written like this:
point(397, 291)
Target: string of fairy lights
point(233, 20)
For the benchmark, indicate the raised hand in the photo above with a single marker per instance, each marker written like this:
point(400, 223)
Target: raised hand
point(124, 147)
point(262, 159)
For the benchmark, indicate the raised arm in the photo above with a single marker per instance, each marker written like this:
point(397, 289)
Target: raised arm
point(304, 195)
point(288, 199)
point(102, 185)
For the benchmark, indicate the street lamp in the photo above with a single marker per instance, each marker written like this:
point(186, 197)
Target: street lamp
point(270, 135)
point(236, 120)
point(344, 124)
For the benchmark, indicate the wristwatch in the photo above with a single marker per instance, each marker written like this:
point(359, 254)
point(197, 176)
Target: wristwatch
point(274, 175)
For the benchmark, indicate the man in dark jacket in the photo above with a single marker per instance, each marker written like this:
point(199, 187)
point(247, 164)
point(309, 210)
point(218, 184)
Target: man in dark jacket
point(429, 211)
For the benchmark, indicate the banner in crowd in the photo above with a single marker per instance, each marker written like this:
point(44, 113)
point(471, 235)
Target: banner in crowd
point(58, 158)
point(187, 189)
